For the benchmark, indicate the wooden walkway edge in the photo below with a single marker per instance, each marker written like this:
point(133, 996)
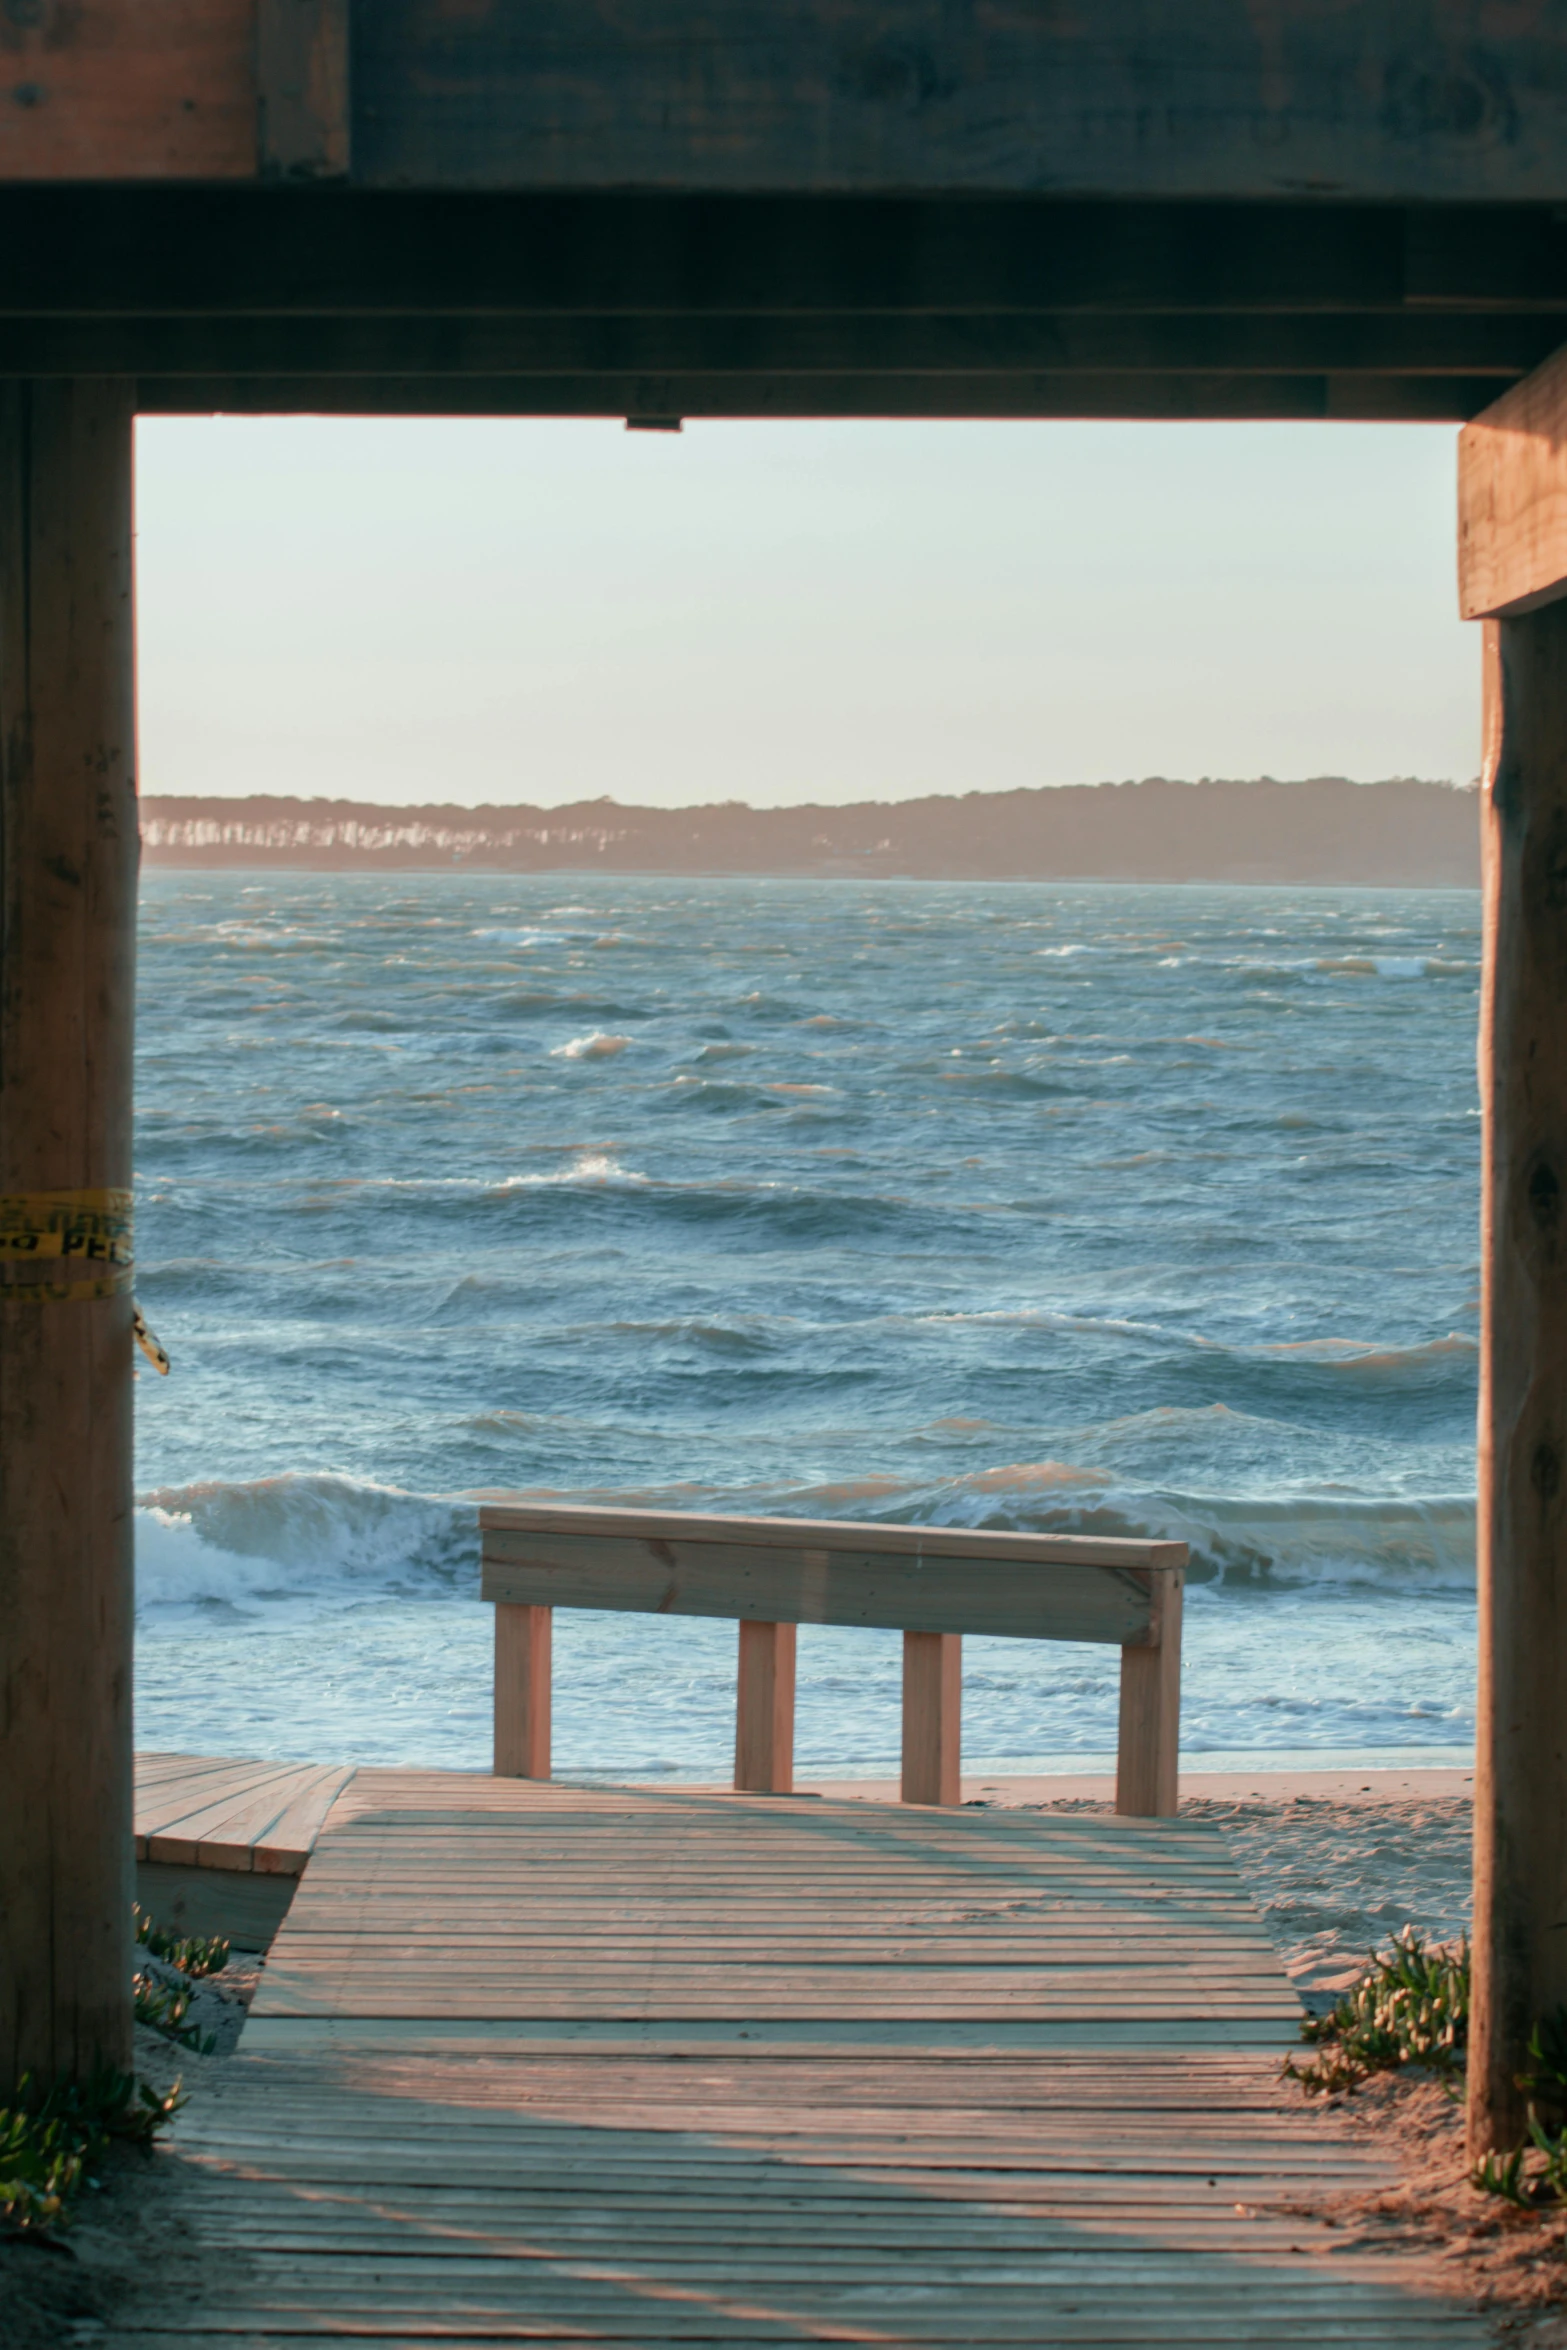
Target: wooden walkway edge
point(540, 2064)
point(221, 1844)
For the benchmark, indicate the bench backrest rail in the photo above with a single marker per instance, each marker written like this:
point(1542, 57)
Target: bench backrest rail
point(932, 1583)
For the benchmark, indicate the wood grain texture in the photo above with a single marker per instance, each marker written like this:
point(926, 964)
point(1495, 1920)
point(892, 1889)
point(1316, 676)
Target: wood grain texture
point(523, 1645)
point(1148, 1737)
point(127, 90)
point(441, 1896)
point(207, 1811)
point(1520, 1952)
point(914, 1578)
point(1417, 100)
point(1512, 498)
point(764, 1709)
point(68, 856)
point(856, 1536)
point(932, 1760)
point(244, 1907)
point(1420, 101)
point(490, 2092)
point(418, 2194)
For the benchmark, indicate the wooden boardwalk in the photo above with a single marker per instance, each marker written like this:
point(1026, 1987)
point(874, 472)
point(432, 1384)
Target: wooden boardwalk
point(200, 1811)
point(533, 2063)
point(221, 1844)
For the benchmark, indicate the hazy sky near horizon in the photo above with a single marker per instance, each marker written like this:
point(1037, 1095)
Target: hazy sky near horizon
point(548, 610)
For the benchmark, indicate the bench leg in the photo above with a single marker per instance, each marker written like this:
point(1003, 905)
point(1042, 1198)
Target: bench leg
point(522, 1691)
point(764, 1710)
point(932, 1716)
point(1148, 1760)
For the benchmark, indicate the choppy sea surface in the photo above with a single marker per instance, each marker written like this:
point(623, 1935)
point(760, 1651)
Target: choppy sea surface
point(1098, 1208)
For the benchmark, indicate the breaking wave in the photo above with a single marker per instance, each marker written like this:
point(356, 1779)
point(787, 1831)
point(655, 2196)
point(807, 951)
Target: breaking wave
point(319, 1536)
point(303, 1535)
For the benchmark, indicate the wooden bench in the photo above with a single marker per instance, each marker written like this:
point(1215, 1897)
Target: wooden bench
point(929, 1582)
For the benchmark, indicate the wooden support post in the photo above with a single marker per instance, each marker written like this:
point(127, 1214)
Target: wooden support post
point(522, 1691)
point(1147, 1774)
point(68, 852)
point(1520, 1901)
point(764, 1710)
point(932, 1716)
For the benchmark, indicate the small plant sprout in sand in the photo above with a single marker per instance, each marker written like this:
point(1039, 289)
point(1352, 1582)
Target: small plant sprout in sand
point(1536, 2174)
point(1410, 2007)
point(52, 2140)
point(161, 1996)
point(193, 1954)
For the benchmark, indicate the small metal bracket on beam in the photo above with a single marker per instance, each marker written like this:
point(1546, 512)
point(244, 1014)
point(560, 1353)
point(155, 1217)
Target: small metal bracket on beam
point(302, 89)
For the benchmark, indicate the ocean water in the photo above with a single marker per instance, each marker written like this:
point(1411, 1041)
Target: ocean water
point(1095, 1208)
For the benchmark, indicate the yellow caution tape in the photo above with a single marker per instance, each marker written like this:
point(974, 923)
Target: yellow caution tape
point(55, 1233)
point(150, 1346)
point(59, 1236)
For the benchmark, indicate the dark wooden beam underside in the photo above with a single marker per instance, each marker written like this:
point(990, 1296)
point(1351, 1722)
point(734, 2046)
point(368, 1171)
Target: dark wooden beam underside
point(1377, 399)
point(341, 301)
point(756, 343)
point(215, 251)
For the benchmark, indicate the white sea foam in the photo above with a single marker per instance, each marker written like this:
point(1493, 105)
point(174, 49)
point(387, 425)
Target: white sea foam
point(587, 1167)
point(312, 1535)
point(534, 938)
point(598, 1045)
point(333, 1539)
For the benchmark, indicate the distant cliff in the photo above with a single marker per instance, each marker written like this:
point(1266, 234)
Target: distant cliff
point(1327, 830)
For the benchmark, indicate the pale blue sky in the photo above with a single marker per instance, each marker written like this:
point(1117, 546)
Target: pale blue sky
point(550, 610)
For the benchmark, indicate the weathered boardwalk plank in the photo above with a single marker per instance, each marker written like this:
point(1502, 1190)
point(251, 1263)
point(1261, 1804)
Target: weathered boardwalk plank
point(541, 2064)
point(201, 1811)
point(220, 1844)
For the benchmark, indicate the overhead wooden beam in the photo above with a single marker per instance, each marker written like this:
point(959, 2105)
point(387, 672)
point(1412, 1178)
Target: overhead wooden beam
point(174, 90)
point(68, 852)
point(127, 90)
point(1389, 101)
point(1380, 399)
point(1512, 499)
point(843, 343)
point(1394, 99)
point(237, 250)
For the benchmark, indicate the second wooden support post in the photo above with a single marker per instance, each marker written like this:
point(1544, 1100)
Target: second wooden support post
point(932, 1717)
point(764, 1710)
point(522, 1691)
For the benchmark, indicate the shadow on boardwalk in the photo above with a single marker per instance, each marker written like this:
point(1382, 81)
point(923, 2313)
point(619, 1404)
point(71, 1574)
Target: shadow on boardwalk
point(536, 2063)
point(463, 2195)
